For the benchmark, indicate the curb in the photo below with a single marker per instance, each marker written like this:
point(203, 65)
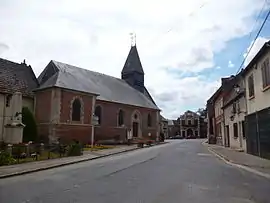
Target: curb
point(70, 163)
point(230, 162)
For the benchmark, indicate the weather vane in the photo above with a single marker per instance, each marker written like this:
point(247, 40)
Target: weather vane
point(133, 39)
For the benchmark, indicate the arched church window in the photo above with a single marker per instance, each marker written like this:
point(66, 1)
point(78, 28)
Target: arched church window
point(98, 112)
point(76, 110)
point(149, 120)
point(120, 117)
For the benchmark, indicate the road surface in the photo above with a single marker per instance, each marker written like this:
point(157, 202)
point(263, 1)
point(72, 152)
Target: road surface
point(182, 171)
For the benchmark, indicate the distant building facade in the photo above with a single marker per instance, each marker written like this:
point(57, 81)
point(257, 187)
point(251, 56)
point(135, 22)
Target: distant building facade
point(164, 127)
point(190, 125)
point(173, 128)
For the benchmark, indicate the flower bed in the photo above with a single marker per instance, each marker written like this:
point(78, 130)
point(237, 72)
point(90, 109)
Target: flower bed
point(97, 147)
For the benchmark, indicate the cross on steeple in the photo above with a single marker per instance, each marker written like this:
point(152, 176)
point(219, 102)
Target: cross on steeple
point(133, 38)
point(132, 71)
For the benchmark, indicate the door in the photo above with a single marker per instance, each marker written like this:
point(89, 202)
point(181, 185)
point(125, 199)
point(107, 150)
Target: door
point(227, 134)
point(190, 133)
point(135, 126)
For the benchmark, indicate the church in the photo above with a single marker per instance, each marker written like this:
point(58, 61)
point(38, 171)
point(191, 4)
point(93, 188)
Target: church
point(68, 98)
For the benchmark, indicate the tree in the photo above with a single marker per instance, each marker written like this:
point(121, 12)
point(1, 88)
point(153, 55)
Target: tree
point(30, 129)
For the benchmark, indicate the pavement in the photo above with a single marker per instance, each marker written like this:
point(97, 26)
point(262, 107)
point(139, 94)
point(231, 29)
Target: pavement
point(181, 171)
point(19, 169)
point(244, 160)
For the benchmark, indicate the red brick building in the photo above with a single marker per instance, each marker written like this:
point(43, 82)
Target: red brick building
point(69, 96)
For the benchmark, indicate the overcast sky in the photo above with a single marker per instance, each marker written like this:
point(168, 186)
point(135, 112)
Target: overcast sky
point(185, 46)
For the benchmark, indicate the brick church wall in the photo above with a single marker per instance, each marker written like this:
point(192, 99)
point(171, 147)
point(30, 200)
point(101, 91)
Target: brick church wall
point(68, 130)
point(109, 129)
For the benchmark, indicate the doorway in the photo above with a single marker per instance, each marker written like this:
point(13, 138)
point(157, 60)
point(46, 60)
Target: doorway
point(189, 133)
point(227, 138)
point(135, 128)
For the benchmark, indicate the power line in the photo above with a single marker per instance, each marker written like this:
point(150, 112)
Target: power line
point(253, 28)
point(257, 35)
point(189, 15)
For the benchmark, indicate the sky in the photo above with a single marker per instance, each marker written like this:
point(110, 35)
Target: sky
point(185, 46)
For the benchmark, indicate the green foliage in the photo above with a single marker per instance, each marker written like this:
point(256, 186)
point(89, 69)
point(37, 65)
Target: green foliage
point(6, 158)
point(30, 129)
point(75, 149)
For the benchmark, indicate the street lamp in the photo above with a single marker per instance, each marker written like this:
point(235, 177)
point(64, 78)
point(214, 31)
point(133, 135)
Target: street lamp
point(237, 88)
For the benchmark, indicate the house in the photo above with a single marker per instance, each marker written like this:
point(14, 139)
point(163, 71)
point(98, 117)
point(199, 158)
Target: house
point(215, 116)
point(256, 77)
point(164, 126)
point(69, 97)
point(18, 79)
point(234, 108)
point(190, 125)
point(173, 128)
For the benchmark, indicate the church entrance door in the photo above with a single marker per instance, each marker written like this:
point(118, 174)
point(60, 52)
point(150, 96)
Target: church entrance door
point(135, 129)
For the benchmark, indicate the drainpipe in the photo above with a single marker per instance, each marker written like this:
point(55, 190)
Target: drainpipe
point(4, 117)
point(258, 134)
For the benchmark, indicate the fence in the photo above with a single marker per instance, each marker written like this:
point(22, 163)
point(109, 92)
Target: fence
point(22, 153)
point(258, 133)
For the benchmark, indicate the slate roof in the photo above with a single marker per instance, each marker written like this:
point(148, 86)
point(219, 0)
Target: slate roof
point(107, 88)
point(133, 62)
point(163, 119)
point(148, 95)
point(17, 77)
point(189, 112)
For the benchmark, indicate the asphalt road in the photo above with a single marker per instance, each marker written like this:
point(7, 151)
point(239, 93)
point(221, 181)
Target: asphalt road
point(183, 171)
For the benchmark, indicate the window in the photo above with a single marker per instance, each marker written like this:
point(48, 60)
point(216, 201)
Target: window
point(8, 99)
point(183, 122)
point(251, 86)
point(243, 129)
point(76, 110)
point(120, 118)
point(266, 73)
point(98, 114)
point(196, 122)
point(189, 122)
point(235, 130)
point(149, 120)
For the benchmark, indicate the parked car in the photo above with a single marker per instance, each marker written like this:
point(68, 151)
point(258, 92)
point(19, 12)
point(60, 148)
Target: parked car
point(178, 137)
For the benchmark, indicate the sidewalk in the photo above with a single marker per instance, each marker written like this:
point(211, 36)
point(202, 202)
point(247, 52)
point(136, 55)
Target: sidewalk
point(242, 158)
point(19, 169)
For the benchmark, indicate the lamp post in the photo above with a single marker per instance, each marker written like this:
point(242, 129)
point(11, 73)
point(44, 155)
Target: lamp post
point(237, 88)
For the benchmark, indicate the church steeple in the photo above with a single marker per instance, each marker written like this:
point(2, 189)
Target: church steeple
point(132, 71)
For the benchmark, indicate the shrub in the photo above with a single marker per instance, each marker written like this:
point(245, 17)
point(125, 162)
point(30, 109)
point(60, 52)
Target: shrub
point(6, 158)
point(75, 149)
point(30, 129)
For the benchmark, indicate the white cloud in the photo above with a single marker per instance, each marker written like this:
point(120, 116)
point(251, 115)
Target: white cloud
point(254, 50)
point(230, 64)
point(218, 67)
point(182, 35)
